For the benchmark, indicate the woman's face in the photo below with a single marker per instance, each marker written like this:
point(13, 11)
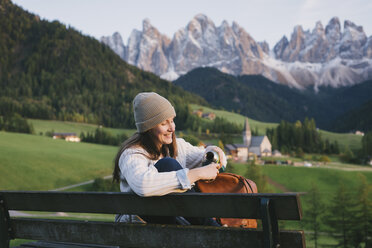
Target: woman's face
point(163, 132)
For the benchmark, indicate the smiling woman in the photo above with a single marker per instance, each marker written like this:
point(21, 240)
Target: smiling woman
point(153, 162)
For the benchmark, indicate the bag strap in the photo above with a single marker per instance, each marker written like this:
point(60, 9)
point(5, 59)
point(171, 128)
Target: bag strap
point(247, 183)
point(251, 185)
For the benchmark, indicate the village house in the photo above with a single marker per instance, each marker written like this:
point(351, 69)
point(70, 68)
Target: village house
point(253, 146)
point(357, 132)
point(71, 137)
point(198, 113)
point(210, 115)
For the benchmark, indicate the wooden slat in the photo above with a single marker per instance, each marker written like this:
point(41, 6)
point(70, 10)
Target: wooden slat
point(140, 235)
point(46, 244)
point(5, 231)
point(193, 204)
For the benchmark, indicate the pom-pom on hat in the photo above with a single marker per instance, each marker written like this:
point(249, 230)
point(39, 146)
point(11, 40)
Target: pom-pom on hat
point(150, 109)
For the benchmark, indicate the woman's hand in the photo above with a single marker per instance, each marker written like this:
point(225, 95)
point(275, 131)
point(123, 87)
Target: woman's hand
point(221, 154)
point(208, 172)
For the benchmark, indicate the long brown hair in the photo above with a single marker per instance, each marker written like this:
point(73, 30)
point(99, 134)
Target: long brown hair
point(146, 140)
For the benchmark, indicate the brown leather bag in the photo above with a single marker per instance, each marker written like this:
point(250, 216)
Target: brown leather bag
point(230, 183)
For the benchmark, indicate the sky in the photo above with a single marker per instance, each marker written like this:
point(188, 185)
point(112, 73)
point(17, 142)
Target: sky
point(265, 20)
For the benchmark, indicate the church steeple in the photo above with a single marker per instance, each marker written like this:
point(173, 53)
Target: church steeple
point(247, 134)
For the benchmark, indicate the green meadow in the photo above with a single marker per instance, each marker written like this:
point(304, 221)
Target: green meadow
point(353, 141)
point(32, 162)
point(237, 118)
point(344, 139)
point(37, 162)
point(301, 179)
point(43, 126)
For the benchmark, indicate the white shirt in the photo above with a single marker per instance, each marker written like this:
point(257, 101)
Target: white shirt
point(139, 175)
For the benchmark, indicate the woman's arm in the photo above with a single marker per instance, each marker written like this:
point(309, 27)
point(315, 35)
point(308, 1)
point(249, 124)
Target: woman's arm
point(194, 155)
point(208, 172)
point(145, 180)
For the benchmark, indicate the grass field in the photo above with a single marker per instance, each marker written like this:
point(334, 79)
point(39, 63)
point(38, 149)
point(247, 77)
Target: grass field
point(43, 126)
point(300, 179)
point(354, 142)
point(32, 162)
point(237, 118)
point(344, 139)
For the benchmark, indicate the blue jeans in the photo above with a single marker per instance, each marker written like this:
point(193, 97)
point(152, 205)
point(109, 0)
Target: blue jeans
point(165, 165)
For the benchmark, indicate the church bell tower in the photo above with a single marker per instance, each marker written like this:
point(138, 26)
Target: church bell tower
point(247, 134)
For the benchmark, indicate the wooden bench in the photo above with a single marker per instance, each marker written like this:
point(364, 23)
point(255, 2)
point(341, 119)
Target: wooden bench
point(268, 207)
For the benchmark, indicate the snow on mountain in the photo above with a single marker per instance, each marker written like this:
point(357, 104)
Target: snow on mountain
point(321, 57)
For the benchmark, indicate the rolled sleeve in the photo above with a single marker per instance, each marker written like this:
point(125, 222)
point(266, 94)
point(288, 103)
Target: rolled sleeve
point(183, 179)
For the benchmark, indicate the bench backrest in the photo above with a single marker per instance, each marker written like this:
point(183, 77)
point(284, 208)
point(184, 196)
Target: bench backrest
point(284, 206)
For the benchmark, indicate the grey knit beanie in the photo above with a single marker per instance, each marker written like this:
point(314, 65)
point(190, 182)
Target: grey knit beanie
point(150, 109)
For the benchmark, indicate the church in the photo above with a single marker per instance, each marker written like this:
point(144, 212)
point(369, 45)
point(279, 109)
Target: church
point(253, 146)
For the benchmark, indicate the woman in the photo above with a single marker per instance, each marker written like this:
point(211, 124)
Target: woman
point(153, 162)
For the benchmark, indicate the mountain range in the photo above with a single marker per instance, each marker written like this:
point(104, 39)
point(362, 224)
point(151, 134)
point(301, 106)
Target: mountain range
point(337, 109)
point(50, 71)
point(326, 56)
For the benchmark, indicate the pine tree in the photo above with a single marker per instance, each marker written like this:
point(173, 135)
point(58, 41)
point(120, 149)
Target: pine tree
point(314, 214)
point(340, 217)
point(363, 213)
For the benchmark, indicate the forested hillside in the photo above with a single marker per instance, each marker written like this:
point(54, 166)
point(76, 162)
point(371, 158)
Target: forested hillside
point(50, 71)
point(261, 99)
point(359, 118)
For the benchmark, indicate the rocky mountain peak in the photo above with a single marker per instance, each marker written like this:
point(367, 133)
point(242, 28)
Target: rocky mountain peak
point(227, 35)
point(297, 38)
point(333, 30)
point(115, 42)
point(201, 24)
point(291, 52)
point(281, 46)
point(264, 46)
point(224, 25)
point(152, 32)
point(322, 56)
point(319, 29)
point(349, 24)
point(235, 26)
point(203, 19)
point(352, 41)
point(334, 23)
point(194, 26)
point(146, 25)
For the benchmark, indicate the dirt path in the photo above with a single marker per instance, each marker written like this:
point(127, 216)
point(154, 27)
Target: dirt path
point(277, 185)
point(78, 184)
point(366, 168)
